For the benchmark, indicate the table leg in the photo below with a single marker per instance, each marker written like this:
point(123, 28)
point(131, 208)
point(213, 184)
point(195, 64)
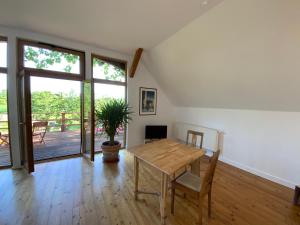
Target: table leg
point(163, 197)
point(136, 177)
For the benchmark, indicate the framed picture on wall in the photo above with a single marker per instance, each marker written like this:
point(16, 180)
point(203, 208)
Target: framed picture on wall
point(148, 101)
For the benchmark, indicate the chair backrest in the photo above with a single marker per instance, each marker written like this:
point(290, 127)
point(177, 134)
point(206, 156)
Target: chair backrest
point(209, 174)
point(40, 126)
point(194, 134)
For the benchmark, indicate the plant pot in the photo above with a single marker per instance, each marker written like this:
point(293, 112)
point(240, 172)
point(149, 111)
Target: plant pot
point(110, 153)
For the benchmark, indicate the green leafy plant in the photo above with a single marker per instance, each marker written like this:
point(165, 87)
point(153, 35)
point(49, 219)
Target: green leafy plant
point(42, 59)
point(113, 114)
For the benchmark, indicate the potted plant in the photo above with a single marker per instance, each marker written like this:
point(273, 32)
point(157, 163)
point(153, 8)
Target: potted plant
point(113, 115)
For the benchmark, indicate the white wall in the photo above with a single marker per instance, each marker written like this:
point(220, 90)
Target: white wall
point(165, 110)
point(212, 139)
point(265, 143)
point(142, 78)
point(241, 55)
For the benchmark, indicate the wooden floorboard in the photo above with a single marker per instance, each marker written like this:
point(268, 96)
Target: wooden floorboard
point(75, 191)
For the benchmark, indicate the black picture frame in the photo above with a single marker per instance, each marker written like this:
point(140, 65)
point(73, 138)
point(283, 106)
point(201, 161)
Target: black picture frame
point(147, 101)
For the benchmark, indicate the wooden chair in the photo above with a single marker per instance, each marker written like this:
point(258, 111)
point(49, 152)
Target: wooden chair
point(39, 130)
point(194, 167)
point(194, 134)
point(191, 183)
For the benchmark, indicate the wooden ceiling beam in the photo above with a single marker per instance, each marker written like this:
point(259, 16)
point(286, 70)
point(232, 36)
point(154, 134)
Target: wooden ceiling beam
point(136, 60)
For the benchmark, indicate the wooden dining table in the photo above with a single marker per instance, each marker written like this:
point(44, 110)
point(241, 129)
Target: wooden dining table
point(168, 156)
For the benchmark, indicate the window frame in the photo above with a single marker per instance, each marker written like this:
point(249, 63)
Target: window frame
point(4, 70)
point(111, 82)
point(50, 73)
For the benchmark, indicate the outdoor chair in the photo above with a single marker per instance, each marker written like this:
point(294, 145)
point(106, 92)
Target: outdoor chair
point(98, 129)
point(4, 139)
point(39, 130)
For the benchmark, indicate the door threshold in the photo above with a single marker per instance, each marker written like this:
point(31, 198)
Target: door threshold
point(57, 158)
point(5, 167)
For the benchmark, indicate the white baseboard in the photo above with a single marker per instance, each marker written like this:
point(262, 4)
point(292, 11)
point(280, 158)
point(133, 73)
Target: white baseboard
point(258, 173)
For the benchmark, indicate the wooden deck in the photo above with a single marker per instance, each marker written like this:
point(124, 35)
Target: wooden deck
point(74, 191)
point(57, 144)
point(4, 156)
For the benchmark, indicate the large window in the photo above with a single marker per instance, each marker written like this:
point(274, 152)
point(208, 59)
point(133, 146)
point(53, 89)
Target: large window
point(110, 82)
point(109, 69)
point(56, 61)
point(42, 58)
point(5, 156)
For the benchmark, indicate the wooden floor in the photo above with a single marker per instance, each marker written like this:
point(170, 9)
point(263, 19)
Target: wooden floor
point(74, 191)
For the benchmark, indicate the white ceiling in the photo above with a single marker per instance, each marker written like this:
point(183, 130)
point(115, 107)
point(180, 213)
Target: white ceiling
point(121, 25)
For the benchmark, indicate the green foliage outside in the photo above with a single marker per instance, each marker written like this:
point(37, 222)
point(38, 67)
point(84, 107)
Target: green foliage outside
point(43, 58)
point(3, 111)
point(45, 103)
point(50, 106)
point(3, 105)
point(111, 72)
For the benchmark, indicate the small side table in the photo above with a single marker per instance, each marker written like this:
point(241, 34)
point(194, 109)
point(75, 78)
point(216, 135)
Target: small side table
point(297, 195)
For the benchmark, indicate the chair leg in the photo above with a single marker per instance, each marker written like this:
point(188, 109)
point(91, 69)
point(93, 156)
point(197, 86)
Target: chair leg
point(209, 203)
point(42, 138)
point(172, 199)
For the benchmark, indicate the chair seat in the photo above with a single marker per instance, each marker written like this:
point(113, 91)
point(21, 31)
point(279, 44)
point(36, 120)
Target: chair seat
point(190, 180)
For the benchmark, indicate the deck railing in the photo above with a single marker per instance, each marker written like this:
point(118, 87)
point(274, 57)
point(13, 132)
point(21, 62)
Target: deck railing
point(56, 121)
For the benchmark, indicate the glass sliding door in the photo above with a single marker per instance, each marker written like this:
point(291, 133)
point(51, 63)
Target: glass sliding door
point(56, 117)
point(5, 157)
point(110, 82)
point(55, 74)
point(102, 94)
point(5, 154)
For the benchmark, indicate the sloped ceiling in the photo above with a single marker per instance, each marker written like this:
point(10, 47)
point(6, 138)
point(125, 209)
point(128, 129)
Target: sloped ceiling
point(121, 25)
point(226, 54)
point(240, 54)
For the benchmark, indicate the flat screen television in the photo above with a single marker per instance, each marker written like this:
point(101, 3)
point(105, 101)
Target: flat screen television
point(155, 132)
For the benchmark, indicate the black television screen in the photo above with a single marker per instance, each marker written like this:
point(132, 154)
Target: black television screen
point(155, 132)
